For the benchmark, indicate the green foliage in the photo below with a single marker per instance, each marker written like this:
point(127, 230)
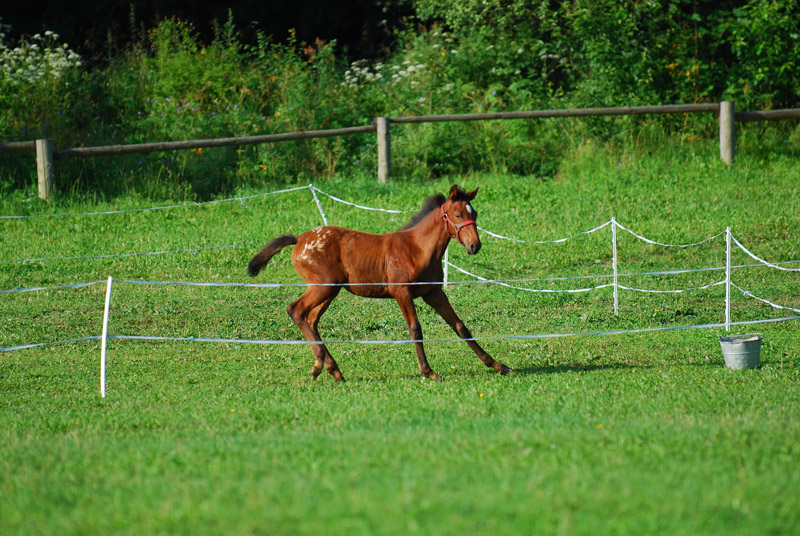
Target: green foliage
point(617, 53)
point(457, 57)
point(38, 80)
point(764, 39)
point(519, 43)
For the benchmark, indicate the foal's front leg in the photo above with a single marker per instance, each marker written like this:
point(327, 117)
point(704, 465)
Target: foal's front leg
point(406, 303)
point(438, 300)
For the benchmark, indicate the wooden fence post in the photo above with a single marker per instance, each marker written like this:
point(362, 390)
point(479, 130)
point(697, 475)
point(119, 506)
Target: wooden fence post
point(384, 150)
point(727, 131)
point(44, 167)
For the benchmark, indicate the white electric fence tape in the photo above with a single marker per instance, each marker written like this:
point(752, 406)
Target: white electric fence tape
point(640, 237)
point(241, 199)
point(526, 289)
point(773, 305)
point(405, 341)
point(57, 287)
point(388, 210)
point(315, 190)
point(679, 291)
point(143, 253)
point(614, 224)
point(558, 241)
point(39, 344)
point(444, 282)
point(762, 261)
point(477, 339)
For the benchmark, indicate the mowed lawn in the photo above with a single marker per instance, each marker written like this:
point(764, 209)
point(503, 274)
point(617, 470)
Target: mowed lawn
point(592, 434)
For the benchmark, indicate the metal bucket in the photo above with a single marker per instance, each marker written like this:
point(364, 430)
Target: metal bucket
point(741, 351)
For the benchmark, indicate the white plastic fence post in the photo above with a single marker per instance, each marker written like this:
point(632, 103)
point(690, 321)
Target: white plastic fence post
point(614, 263)
point(104, 343)
point(319, 205)
point(446, 266)
point(728, 279)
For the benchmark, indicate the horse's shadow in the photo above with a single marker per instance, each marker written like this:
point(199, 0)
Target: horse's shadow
point(536, 370)
point(529, 370)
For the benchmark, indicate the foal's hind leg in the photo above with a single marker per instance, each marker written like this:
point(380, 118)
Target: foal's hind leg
point(438, 300)
point(327, 359)
point(306, 312)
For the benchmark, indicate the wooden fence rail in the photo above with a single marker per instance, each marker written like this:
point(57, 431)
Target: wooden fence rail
point(579, 112)
point(45, 155)
point(116, 150)
point(18, 147)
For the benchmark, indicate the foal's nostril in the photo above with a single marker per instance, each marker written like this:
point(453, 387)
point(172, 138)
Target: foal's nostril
point(472, 249)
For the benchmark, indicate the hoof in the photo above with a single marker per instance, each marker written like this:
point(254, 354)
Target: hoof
point(315, 372)
point(505, 371)
point(432, 376)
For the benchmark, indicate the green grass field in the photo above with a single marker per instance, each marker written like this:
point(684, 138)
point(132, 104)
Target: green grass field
point(619, 434)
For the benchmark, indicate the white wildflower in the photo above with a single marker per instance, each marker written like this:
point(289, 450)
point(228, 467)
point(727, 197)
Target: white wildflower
point(41, 58)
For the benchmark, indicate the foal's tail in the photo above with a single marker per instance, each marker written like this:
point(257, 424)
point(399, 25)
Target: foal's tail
point(262, 257)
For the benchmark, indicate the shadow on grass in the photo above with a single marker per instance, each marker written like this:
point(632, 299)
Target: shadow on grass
point(478, 372)
point(574, 367)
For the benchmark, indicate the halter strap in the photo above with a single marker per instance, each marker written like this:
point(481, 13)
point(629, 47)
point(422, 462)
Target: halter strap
point(456, 226)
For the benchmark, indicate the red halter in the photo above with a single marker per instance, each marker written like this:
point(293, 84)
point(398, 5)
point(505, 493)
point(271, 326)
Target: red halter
point(456, 226)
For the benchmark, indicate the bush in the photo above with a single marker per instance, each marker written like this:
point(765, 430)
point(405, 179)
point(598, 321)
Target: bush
point(611, 53)
point(38, 80)
point(467, 57)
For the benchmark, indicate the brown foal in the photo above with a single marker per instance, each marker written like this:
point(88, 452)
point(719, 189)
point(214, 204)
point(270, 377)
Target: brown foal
point(331, 257)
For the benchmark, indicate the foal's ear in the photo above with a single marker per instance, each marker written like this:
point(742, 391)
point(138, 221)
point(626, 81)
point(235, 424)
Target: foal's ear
point(453, 192)
point(472, 194)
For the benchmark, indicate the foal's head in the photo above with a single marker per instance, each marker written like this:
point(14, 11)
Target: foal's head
point(459, 218)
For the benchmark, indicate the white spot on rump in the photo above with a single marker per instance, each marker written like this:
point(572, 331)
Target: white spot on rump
point(314, 245)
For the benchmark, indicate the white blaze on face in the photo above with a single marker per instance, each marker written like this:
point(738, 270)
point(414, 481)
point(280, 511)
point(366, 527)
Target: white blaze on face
point(469, 209)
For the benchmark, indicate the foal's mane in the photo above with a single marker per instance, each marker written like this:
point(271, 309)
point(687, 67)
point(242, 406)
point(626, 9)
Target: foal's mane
point(431, 204)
